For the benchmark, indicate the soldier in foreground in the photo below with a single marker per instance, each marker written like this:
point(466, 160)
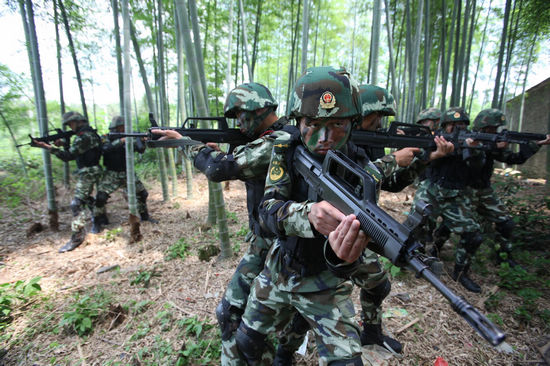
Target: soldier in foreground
point(86, 150)
point(114, 177)
point(254, 108)
point(486, 202)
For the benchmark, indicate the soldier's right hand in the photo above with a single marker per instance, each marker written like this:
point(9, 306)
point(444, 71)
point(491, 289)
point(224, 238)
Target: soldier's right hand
point(59, 142)
point(325, 217)
point(348, 241)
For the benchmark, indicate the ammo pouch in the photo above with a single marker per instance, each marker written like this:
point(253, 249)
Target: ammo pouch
point(303, 256)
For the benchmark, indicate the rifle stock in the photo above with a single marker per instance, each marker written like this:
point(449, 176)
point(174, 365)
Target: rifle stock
point(348, 187)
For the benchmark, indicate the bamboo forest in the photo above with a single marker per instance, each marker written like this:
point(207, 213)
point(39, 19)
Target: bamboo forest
point(177, 186)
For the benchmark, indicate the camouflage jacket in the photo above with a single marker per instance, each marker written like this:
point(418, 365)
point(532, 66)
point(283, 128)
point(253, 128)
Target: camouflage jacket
point(284, 211)
point(114, 152)
point(248, 163)
point(85, 148)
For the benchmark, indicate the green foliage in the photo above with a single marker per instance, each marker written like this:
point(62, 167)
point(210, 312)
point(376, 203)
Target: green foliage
point(144, 277)
point(496, 319)
point(179, 249)
point(202, 342)
point(110, 235)
point(84, 311)
point(15, 294)
point(231, 216)
point(493, 302)
point(390, 267)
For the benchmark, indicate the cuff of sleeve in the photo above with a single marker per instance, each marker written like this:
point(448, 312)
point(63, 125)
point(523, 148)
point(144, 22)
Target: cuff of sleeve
point(336, 265)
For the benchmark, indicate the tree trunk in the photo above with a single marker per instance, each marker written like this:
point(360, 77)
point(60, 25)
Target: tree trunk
point(75, 60)
point(118, 52)
point(391, 63)
point(375, 42)
point(496, 103)
point(305, 36)
point(197, 44)
point(483, 37)
point(21, 160)
point(256, 35)
point(245, 42)
point(135, 234)
point(27, 15)
point(66, 169)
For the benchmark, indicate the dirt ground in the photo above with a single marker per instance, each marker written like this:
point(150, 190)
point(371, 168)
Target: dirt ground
point(417, 314)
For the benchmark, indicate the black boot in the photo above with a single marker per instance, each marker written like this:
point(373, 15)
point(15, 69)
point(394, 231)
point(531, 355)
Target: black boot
point(145, 217)
point(283, 357)
point(96, 225)
point(460, 274)
point(77, 238)
point(372, 334)
point(103, 220)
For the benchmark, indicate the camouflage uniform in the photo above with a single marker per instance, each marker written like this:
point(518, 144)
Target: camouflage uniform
point(86, 150)
point(447, 189)
point(296, 277)
point(486, 202)
point(248, 163)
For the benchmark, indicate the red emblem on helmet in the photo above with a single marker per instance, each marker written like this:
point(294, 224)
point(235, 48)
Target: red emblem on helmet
point(328, 100)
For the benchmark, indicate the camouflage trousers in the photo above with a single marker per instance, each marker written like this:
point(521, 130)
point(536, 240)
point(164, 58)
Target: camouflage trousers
point(456, 208)
point(491, 208)
point(112, 181)
point(330, 314)
point(368, 276)
point(86, 179)
point(238, 289)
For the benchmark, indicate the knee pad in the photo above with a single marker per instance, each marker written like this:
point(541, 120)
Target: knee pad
point(506, 228)
point(101, 199)
point(471, 241)
point(250, 343)
point(76, 206)
point(377, 294)
point(356, 361)
point(229, 318)
point(142, 195)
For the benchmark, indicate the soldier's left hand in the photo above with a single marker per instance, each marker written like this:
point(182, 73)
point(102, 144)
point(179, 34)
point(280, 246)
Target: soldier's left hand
point(42, 144)
point(167, 134)
point(544, 142)
point(348, 241)
point(444, 148)
point(213, 145)
point(405, 156)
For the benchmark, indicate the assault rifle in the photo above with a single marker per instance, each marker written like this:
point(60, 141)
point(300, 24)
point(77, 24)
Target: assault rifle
point(420, 136)
point(348, 187)
point(60, 134)
point(221, 134)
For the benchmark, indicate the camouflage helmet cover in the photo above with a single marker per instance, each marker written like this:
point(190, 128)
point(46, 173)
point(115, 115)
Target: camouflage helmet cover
point(455, 114)
point(115, 122)
point(73, 116)
point(248, 97)
point(489, 117)
point(376, 99)
point(430, 113)
point(325, 92)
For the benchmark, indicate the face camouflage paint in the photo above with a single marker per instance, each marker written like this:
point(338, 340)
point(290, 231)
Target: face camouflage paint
point(321, 135)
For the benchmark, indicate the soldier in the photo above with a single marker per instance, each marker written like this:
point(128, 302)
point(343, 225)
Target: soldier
point(114, 177)
point(447, 188)
point(430, 118)
point(486, 202)
point(86, 150)
point(254, 108)
point(297, 278)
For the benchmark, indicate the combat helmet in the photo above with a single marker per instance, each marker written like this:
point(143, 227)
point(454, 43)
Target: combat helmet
point(249, 97)
point(489, 117)
point(115, 122)
point(455, 114)
point(430, 113)
point(376, 99)
point(73, 116)
point(325, 92)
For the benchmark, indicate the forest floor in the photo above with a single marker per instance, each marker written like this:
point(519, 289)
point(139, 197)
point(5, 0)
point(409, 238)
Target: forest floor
point(152, 302)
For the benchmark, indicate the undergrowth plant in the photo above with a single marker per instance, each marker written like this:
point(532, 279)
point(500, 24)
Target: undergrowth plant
point(16, 294)
point(84, 311)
